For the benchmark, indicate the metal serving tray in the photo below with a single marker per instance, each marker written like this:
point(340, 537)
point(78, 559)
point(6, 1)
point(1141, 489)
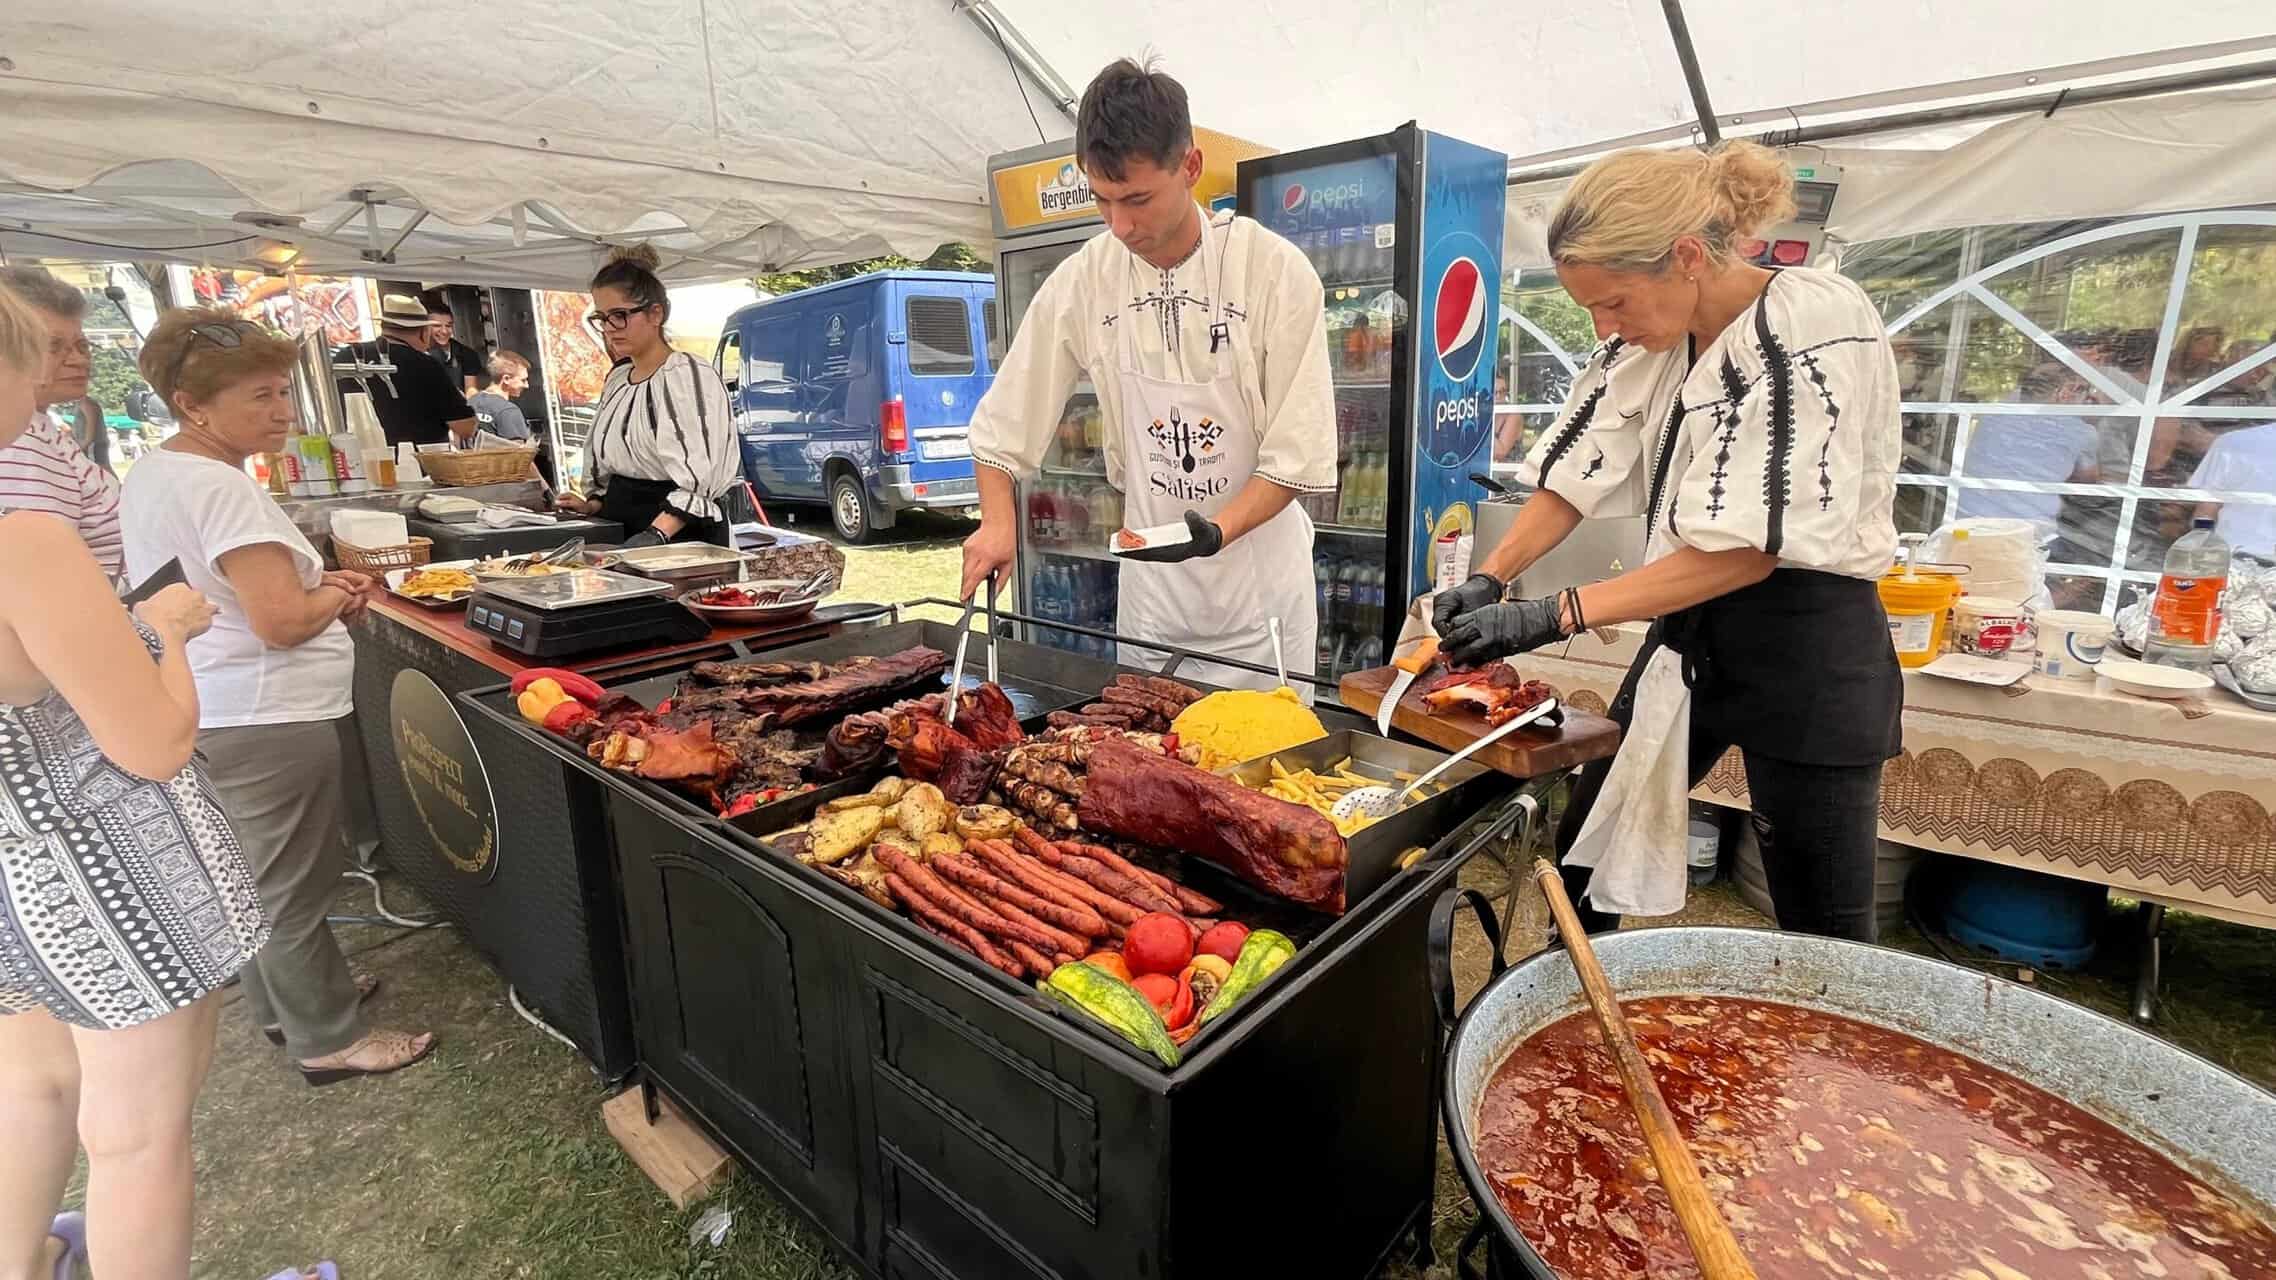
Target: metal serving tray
point(685, 564)
point(1375, 849)
point(574, 589)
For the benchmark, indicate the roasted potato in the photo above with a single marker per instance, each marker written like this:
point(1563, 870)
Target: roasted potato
point(903, 841)
point(840, 835)
point(985, 822)
point(938, 844)
point(922, 811)
point(890, 789)
point(866, 800)
point(865, 874)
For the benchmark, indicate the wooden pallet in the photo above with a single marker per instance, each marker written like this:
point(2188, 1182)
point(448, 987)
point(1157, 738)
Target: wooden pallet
point(676, 1156)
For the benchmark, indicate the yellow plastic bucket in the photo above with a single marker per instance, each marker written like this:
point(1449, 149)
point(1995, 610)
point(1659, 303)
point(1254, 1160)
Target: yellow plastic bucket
point(1919, 606)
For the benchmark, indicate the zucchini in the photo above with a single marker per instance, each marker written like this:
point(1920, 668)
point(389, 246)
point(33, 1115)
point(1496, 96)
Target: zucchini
point(1265, 951)
point(1114, 1002)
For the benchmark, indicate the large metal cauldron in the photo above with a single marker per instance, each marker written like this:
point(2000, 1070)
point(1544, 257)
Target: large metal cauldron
point(2214, 1123)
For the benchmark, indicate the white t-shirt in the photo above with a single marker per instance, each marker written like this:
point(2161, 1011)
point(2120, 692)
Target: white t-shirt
point(181, 506)
point(2244, 460)
point(2040, 447)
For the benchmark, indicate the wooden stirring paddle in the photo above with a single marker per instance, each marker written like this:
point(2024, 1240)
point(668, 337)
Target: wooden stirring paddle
point(1712, 1243)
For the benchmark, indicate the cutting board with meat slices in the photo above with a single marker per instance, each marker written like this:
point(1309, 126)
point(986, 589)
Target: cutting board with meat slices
point(1527, 753)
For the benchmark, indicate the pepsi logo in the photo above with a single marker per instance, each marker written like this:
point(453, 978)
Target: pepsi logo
point(1292, 200)
point(1459, 327)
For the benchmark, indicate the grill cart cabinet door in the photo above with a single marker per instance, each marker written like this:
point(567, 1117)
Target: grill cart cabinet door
point(731, 1007)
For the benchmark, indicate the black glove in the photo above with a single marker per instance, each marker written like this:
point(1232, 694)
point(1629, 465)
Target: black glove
point(1475, 592)
point(1207, 540)
point(648, 537)
point(1500, 630)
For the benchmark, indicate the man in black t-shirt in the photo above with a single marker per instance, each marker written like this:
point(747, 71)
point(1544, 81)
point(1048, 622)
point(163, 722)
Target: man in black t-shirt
point(463, 363)
point(425, 407)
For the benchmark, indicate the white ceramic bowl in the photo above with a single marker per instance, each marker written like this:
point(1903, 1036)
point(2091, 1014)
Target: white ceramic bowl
point(2149, 680)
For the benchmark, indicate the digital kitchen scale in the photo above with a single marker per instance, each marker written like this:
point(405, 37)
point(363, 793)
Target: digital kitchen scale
point(578, 612)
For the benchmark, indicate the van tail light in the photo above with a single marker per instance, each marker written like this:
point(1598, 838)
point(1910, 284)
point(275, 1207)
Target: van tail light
point(893, 426)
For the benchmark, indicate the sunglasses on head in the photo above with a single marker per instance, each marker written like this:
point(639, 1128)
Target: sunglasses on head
point(615, 317)
point(228, 337)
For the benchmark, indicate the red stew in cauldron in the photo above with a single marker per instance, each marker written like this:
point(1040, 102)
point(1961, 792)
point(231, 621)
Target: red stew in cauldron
point(1837, 1148)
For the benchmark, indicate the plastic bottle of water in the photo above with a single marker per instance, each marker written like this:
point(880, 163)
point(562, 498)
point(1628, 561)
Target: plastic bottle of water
point(2187, 613)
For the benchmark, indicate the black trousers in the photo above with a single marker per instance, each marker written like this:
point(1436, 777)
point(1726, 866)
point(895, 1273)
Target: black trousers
point(1817, 825)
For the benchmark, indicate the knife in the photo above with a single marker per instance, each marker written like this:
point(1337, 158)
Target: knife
point(1408, 667)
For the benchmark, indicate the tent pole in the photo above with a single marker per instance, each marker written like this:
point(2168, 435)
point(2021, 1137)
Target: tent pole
point(1689, 57)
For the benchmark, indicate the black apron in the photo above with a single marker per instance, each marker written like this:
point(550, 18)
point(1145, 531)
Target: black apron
point(1797, 667)
point(635, 503)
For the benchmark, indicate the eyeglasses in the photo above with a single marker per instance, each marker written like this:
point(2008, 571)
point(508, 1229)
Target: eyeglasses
point(228, 337)
point(615, 317)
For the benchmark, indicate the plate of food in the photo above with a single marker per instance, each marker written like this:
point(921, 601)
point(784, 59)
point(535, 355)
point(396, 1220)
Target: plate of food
point(1151, 543)
point(757, 601)
point(437, 586)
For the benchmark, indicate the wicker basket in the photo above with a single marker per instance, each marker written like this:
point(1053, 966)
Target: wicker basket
point(378, 560)
point(481, 466)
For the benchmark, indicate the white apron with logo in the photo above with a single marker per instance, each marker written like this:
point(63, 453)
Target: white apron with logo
point(1190, 446)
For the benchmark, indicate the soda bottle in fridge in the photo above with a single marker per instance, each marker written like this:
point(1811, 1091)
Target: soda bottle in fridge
point(2186, 614)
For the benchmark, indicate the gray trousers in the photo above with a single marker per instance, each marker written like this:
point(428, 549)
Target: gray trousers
point(280, 787)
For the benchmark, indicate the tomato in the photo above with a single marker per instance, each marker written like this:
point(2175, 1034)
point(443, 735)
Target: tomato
point(1224, 939)
point(1158, 943)
point(1171, 998)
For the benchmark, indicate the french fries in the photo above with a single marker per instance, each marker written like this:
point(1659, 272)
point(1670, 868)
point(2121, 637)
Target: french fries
point(1320, 791)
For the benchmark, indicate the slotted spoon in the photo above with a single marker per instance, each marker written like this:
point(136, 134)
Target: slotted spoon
point(1374, 803)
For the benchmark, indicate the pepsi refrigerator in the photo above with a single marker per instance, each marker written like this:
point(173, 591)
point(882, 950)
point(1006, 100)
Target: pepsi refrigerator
point(1043, 213)
point(1402, 226)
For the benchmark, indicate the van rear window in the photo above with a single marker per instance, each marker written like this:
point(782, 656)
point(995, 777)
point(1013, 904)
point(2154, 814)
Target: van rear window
point(940, 337)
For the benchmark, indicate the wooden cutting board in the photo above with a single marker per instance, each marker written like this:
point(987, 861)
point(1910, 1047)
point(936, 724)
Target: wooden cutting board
point(1527, 753)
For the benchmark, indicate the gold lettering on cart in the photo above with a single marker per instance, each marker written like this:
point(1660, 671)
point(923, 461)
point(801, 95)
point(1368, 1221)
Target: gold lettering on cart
point(428, 768)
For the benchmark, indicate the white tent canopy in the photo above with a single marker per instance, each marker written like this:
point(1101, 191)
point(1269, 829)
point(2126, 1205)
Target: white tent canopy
point(498, 143)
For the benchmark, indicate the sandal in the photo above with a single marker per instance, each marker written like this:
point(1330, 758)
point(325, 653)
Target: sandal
point(367, 986)
point(71, 1229)
point(321, 1271)
point(401, 1048)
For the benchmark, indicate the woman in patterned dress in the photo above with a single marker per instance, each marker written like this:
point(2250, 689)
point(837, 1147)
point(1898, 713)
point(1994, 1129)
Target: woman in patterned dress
point(124, 900)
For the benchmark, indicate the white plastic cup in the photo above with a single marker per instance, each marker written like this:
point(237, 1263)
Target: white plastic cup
point(2071, 643)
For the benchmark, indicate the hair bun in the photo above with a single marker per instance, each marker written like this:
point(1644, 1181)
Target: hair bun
point(1753, 184)
point(642, 255)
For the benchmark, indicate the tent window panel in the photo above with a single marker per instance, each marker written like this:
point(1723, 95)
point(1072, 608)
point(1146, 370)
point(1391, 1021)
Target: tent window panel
point(940, 337)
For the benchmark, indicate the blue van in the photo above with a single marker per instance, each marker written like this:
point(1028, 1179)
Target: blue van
point(857, 394)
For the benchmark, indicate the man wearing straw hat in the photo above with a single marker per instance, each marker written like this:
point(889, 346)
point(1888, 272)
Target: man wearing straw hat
point(422, 407)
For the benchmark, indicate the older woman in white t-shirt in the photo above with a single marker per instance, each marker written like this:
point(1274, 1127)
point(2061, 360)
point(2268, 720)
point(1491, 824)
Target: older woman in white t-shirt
point(275, 674)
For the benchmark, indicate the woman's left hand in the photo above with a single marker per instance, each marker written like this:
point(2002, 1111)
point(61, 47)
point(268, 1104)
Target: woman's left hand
point(1500, 630)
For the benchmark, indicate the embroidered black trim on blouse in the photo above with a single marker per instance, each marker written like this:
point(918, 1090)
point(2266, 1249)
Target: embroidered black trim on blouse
point(1727, 418)
point(1569, 434)
point(1777, 485)
point(1668, 435)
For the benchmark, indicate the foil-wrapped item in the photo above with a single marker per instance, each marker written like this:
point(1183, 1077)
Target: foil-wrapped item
point(2227, 644)
point(2133, 623)
point(2248, 614)
point(2255, 667)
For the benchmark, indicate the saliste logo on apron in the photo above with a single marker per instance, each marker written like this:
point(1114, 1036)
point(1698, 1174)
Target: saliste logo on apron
point(1183, 460)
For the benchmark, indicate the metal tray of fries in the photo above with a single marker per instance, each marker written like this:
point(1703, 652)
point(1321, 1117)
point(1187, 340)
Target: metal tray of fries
point(1319, 772)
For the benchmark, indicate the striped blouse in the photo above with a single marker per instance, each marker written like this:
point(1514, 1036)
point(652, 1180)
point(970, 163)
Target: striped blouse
point(675, 427)
point(45, 470)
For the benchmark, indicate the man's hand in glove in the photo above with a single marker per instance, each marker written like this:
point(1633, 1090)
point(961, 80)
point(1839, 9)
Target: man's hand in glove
point(1206, 540)
point(1475, 592)
point(1500, 630)
point(648, 537)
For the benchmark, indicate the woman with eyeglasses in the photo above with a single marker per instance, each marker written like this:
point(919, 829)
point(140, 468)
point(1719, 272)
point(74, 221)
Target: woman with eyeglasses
point(125, 901)
point(663, 450)
point(275, 675)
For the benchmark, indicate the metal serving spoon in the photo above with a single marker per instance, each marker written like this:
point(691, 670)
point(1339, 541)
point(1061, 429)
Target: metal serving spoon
point(1381, 802)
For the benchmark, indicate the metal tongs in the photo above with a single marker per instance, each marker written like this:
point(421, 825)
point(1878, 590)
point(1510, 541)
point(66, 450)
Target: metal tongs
point(963, 641)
